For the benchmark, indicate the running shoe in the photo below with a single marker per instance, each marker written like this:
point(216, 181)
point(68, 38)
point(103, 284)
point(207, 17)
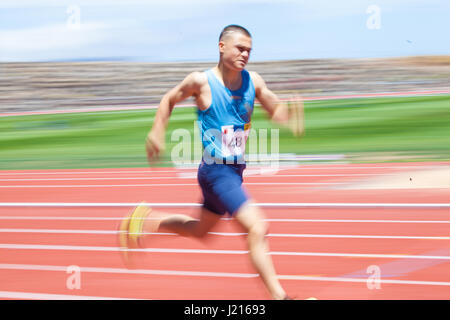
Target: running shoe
point(131, 231)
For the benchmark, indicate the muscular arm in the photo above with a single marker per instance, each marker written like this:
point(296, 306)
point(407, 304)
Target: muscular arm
point(290, 115)
point(185, 89)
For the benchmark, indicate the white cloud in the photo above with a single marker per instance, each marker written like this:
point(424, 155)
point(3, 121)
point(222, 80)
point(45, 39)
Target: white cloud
point(126, 28)
point(50, 38)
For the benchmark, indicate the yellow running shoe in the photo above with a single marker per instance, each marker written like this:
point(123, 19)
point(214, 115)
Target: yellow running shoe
point(135, 225)
point(130, 231)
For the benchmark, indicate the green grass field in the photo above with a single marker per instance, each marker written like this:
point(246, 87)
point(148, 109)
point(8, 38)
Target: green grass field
point(416, 127)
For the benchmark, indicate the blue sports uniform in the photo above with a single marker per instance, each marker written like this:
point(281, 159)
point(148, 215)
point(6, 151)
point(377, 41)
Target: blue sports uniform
point(224, 129)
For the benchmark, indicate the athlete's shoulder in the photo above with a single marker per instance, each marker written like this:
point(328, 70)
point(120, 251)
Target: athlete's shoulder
point(194, 81)
point(197, 77)
point(255, 76)
point(258, 81)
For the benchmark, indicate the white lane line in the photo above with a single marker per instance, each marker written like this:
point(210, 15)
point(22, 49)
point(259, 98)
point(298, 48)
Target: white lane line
point(49, 296)
point(97, 204)
point(165, 185)
point(102, 185)
point(57, 218)
point(355, 167)
point(208, 274)
point(57, 231)
point(194, 177)
point(194, 170)
point(187, 204)
point(94, 179)
point(226, 234)
point(349, 236)
point(5, 266)
point(356, 221)
point(342, 279)
point(202, 251)
point(150, 172)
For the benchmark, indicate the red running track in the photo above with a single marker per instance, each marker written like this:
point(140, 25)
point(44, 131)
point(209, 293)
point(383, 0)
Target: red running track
point(328, 253)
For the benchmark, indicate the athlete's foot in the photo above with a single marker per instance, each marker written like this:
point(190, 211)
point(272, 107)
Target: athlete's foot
point(131, 231)
point(280, 296)
point(287, 297)
point(136, 225)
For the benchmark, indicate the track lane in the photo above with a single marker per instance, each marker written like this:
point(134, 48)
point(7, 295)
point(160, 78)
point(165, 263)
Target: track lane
point(143, 285)
point(155, 286)
point(275, 227)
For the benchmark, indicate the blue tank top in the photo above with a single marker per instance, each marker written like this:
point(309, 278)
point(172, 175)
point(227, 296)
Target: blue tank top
point(225, 125)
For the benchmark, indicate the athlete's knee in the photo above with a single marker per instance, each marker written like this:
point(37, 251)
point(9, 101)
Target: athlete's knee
point(258, 230)
point(202, 227)
point(252, 219)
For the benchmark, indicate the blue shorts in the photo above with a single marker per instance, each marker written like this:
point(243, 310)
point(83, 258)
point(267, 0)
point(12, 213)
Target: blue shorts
point(221, 186)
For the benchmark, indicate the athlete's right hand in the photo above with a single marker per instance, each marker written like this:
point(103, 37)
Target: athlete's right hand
point(154, 145)
point(296, 115)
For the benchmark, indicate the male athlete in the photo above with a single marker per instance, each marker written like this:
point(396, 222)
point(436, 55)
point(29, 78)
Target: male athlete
point(224, 96)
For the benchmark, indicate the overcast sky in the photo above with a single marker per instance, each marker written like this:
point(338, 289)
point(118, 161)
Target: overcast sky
point(178, 30)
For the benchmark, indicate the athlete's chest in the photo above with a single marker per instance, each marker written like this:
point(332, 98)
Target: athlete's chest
point(214, 93)
point(240, 104)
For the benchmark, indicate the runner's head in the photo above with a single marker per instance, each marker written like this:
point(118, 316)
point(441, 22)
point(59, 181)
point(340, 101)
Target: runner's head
point(235, 44)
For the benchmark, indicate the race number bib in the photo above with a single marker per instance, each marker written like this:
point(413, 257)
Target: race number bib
point(234, 139)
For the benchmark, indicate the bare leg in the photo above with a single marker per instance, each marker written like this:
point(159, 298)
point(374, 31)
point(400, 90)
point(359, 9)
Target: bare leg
point(252, 219)
point(184, 225)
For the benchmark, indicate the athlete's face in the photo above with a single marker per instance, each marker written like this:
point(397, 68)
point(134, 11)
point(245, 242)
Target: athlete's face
point(235, 49)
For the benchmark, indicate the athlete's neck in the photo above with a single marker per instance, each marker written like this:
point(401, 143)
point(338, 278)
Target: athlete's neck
point(231, 78)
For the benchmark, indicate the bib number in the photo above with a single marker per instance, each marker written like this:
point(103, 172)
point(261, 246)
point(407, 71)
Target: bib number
point(234, 139)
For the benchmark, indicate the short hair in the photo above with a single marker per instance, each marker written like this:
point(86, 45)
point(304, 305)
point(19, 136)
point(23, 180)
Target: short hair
point(233, 28)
